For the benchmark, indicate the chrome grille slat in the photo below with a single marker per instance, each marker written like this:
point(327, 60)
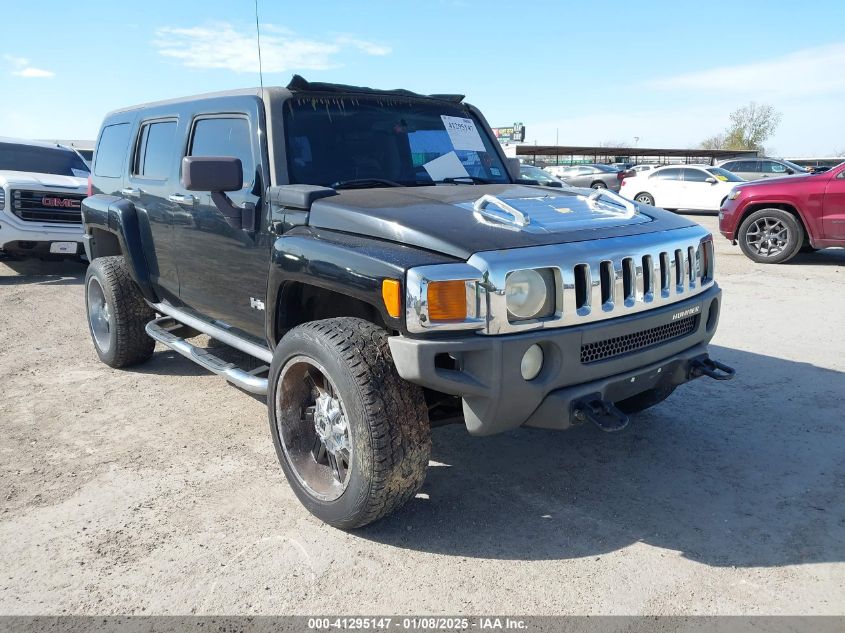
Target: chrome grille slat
point(660, 268)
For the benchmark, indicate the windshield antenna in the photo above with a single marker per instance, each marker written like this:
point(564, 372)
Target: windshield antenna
point(258, 37)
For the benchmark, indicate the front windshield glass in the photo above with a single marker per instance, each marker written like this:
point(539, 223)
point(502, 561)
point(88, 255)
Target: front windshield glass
point(41, 160)
point(535, 173)
point(796, 168)
point(344, 139)
point(724, 175)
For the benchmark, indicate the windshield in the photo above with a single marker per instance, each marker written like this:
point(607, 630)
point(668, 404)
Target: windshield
point(724, 175)
point(333, 140)
point(41, 160)
point(535, 173)
point(796, 168)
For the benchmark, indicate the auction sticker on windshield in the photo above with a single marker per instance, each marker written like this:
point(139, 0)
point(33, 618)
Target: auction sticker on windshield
point(463, 133)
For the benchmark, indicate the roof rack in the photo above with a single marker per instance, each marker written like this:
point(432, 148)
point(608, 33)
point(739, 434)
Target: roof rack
point(300, 84)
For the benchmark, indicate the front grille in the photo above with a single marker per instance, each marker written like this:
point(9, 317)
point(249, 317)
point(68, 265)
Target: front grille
point(618, 345)
point(47, 206)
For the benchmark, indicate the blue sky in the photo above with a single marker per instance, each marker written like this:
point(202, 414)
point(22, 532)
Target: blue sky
point(586, 72)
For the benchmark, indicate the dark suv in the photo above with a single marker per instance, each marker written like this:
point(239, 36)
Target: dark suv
point(374, 254)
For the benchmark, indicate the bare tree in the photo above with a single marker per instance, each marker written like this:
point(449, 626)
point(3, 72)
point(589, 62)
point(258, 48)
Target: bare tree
point(717, 141)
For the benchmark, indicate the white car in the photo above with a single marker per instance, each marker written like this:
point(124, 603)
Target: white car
point(42, 186)
point(697, 187)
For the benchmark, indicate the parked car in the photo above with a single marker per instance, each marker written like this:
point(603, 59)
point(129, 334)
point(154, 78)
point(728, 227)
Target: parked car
point(382, 295)
point(41, 189)
point(773, 220)
point(595, 176)
point(541, 176)
point(695, 187)
point(757, 168)
point(640, 169)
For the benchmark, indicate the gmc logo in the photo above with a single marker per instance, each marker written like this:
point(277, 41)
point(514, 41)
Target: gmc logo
point(66, 203)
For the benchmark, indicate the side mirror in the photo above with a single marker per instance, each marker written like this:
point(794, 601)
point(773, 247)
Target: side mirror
point(512, 165)
point(790, 171)
point(212, 173)
point(711, 180)
point(554, 183)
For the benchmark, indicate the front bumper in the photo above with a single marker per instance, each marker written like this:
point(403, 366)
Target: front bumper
point(486, 373)
point(728, 215)
point(14, 230)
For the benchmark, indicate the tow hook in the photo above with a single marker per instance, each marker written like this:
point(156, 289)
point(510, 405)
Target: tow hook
point(708, 367)
point(602, 413)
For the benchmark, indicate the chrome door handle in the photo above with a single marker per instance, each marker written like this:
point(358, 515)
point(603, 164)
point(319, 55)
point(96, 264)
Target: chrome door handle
point(129, 191)
point(178, 198)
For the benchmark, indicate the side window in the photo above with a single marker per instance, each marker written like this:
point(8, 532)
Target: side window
point(695, 175)
point(228, 136)
point(771, 167)
point(667, 174)
point(154, 153)
point(108, 160)
point(732, 166)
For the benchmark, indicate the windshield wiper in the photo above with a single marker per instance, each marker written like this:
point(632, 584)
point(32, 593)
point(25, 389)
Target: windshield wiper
point(365, 182)
point(455, 180)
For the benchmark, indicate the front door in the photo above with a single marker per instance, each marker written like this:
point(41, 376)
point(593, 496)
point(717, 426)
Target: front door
point(834, 207)
point(223, 269)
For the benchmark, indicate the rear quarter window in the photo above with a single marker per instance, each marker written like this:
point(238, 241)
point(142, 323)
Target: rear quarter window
point(114, 142)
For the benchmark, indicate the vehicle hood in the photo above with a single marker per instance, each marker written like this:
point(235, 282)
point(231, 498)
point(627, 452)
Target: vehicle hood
point(47, 181)
point(442, 218)
point(794, 179)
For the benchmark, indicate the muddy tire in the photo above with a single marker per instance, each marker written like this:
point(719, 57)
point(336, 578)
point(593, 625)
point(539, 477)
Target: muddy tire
point(117, 313)
point(644, 400)
point(352, 437)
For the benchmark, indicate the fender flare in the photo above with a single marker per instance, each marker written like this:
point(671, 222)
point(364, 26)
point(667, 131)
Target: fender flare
point(118, 216)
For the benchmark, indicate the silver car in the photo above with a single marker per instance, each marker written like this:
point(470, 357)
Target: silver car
point(762, 167)
point(595, 176)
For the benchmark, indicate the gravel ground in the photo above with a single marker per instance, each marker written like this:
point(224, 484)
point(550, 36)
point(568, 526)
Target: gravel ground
point(156, 490)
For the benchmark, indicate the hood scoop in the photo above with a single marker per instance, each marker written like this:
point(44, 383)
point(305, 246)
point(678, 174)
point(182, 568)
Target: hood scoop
point(550, 213)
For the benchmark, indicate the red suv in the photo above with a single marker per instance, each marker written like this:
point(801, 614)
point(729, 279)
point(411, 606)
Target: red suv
point(775, 219)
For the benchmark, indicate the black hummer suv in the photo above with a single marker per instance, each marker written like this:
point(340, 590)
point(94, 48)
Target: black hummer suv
point(379, 256)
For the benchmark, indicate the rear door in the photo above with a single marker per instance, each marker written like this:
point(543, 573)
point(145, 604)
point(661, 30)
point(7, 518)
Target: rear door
point(834, 207)
point(224, 269)
point(748, 169)
point(151, 178)
point(666, 187)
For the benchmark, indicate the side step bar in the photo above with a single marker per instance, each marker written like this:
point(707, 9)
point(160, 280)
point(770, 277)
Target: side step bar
point(162, 330)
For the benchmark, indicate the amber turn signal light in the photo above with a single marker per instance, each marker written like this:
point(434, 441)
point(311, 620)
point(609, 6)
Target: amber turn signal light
point(392, 296)
point(447, 300)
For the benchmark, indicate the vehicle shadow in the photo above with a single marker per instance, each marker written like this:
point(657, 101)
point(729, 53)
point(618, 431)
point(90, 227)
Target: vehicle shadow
point(744, 473)
point(825, 257)
point(48, 272)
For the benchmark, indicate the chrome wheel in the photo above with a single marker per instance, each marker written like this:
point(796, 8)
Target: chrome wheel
point(99, 315)
point(767, 237)
point(644, 198)
point(314, 428)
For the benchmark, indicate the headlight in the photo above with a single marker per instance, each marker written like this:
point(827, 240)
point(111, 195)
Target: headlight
point(530, 294)
point(734, 194)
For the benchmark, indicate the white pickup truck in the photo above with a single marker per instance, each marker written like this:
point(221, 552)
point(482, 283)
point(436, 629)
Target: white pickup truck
point(42, 186)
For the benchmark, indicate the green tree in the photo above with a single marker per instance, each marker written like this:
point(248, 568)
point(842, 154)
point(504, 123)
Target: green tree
point(751, 126)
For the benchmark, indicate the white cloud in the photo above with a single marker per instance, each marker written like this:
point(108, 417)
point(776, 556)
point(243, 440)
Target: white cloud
point(221, 45)
point(20, 67)
point(810, 71)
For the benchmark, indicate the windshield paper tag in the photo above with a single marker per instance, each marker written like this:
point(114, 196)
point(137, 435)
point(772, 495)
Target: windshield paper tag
point(446, 166)
point(463, 133)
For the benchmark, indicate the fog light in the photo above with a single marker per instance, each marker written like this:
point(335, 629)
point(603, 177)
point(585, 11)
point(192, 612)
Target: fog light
point(532, 362)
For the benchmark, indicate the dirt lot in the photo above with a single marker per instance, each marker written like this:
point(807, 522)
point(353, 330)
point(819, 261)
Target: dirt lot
point(157, 491)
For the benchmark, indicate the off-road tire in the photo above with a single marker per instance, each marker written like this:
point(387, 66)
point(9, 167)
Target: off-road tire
point(128, 342)
point(387, 417)
point(794, 242)
point(645, 400)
